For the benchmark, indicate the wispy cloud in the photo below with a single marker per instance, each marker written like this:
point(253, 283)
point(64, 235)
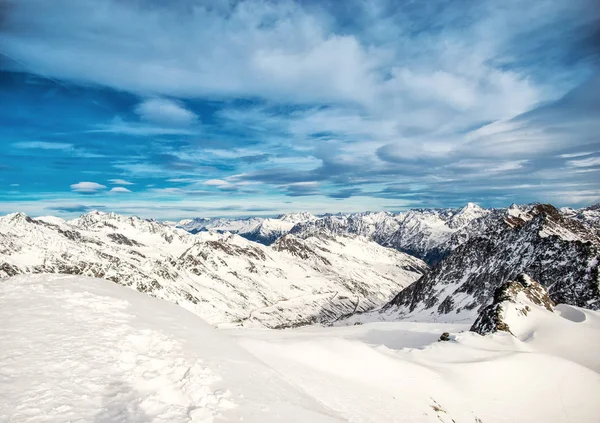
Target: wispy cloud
point(43, 145)
point(592, 161)
point(140, 129)
point(120, 182)
point(120, 190)
point(165, 111)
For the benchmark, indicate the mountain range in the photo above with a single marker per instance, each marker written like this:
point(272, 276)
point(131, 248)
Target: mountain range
point(298, 269)
point(222, 277)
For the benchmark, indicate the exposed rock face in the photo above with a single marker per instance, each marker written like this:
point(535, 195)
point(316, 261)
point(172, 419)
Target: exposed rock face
point(299, 248)
point(224, 278)
point(560, 252)
point(518, 295)
point(423, 233)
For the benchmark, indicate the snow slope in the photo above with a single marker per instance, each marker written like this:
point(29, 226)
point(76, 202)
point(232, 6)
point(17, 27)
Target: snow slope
point(399, 372)
point(82, 349)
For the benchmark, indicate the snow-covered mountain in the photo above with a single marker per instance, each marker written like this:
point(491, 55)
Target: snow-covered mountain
point(561, 253)
point(514, 301)
point(220, 276)
point(422, 233)
point(219, 224)
point(426, 233)
point(263, 230)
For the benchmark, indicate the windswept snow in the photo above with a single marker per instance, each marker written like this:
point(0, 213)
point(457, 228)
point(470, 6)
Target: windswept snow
point(88, 350)
point(398, 372)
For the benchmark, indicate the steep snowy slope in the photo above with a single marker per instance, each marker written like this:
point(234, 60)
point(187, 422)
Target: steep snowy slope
point(235, 226)
point(221, 277)
point(426, 233)
point(294, 282)
point(88, 350)
point(588, 216)
point(560, 253)
point(514, 302)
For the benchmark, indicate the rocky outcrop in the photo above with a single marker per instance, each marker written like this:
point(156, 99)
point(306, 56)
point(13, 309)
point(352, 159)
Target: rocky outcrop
point(538, 240)
point(298, 248)
point(518, 296)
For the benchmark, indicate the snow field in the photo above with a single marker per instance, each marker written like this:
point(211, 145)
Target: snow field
point(398, 372)
point(79, 349)
point(86, 350)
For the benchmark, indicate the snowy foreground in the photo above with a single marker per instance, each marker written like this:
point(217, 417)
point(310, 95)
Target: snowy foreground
point(87, 350)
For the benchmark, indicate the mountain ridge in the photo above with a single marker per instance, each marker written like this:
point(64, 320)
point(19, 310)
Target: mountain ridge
point(220, 276)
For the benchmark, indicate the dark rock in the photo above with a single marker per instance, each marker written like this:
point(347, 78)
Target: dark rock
point(521, 294)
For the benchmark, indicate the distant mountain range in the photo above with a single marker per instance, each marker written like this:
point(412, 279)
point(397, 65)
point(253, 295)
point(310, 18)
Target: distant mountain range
point(222, 277)
point(420, 232)
point(299, 269)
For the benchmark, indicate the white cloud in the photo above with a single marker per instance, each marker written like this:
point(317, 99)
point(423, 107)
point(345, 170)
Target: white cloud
point(120, 182)
point(571, 155)
point(216, 182)
point(592, 161)
point(160, 110)
point(43, 145)
point(88, 187)
point(279, 51)
point(120, 190)
point(119, 126)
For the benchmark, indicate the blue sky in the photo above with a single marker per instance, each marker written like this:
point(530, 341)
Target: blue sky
point(172, 109)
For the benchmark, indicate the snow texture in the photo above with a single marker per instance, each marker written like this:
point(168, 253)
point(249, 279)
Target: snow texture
point(87, 350)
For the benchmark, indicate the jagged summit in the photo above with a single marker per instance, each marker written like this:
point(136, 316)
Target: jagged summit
point(15, 218)
point(465, 215)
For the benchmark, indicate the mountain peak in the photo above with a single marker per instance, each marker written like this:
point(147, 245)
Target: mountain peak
point(468, 213)
point(18, 217)
point(469, 206)
point(296, 217)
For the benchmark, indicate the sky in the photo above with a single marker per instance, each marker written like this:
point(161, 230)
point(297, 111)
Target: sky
point(186, 108)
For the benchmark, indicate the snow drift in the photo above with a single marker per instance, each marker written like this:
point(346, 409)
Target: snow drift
point(81, 349)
